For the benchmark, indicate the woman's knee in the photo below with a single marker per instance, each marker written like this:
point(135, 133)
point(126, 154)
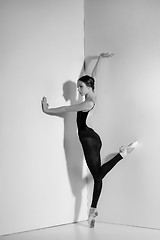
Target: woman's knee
point(97, 178)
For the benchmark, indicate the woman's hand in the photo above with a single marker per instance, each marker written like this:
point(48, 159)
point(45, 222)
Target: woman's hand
point(106, 55)
point(44, 104)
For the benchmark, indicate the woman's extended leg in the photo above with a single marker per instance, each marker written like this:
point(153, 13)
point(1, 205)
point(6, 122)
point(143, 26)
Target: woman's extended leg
point(99, 172)
point(106, 167)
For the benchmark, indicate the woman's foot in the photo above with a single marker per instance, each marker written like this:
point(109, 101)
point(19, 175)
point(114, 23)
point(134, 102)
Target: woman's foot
point(125, 150)
point(91, 217)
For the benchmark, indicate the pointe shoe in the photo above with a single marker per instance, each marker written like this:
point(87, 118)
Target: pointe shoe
point(91, 218)
point(125, 150)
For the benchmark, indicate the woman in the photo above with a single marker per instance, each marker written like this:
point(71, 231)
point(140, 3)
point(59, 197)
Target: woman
point(90, 140)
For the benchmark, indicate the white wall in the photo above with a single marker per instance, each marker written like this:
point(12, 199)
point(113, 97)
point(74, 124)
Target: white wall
point(128, 105)
point(41, 162)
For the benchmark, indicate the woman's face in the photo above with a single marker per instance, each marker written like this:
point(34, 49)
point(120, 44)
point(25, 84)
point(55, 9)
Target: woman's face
point(82, 88)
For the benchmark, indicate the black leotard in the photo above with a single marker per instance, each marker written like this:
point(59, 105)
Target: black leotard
point(89, 139)
point(91, 144)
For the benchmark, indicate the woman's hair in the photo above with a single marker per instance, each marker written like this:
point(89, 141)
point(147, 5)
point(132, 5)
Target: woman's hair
point(89, 81)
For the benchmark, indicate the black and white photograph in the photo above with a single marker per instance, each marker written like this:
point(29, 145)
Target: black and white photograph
point(80, 119)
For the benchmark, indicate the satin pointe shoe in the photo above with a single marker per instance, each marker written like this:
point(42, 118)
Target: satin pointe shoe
point(91, 217)
point(125, 150)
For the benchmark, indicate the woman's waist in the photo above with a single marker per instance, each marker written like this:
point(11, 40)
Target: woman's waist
point(87, 131)
point(84, 128)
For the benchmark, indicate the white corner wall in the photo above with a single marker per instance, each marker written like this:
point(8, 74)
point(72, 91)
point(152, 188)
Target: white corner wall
point(41, 162)
point(128, 105)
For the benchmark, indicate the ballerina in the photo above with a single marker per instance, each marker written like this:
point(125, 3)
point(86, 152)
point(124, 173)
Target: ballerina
point(89, 139)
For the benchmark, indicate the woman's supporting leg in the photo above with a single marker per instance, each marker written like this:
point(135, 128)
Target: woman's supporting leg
point(96, 193)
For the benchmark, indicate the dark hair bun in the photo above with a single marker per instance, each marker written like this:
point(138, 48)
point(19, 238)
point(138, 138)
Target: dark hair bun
point(89, 81)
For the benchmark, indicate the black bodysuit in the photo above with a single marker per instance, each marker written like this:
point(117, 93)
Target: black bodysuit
point(91, 144)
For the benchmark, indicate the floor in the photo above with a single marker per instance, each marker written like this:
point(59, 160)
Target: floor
point(80, 231)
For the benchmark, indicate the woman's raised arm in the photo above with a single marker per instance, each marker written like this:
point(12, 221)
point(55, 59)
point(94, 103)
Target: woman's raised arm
point(96, 67)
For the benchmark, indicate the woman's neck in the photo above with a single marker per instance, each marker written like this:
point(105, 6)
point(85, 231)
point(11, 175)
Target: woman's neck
point(90, 95)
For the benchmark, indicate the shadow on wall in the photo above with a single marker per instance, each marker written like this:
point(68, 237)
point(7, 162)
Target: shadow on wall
point(72, 148)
